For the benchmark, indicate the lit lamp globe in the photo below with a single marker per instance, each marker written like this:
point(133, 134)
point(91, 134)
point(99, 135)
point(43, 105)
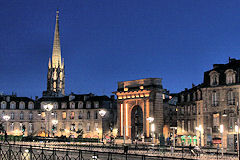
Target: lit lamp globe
point(48, 107)
point(102, 113)
point(6, 117)
point(54, 122)
point(150, 119)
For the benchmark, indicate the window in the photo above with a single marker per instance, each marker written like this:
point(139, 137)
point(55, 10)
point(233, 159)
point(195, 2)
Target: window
point(80, 116)
point(182, 98)
point(214, 99)
point(21, 105)
point(199, 95)
point(43, 115)
point(96, 126)
point(230, 98)
point(232, 122)
point(88, 105)
point(64, 115)
point(72, 115)
point(13, 105)
point(12, 127)
point(80, 104)
point(188, 97)
point(30, 105)
point(55, 115)
point(64, 105)
point(230, 76)
point(96, 104)
point(88, 127)
point(72, 128)
point(21, 115)
point(63, 126)
point(72, 105)
point(30, 116)
point(189, 126)
point(96, 115)
point(20, 126)
point(12, 116)
point(30, 128)
point(216, 120)
point(182, 125)
point(88, 115)
point(55, 105)
point(214, 78)
point(3, 105)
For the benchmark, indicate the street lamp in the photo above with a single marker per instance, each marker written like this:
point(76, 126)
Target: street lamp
point(47, 108)
point(6, 118)
point(221, 131)
point(174, 143)
point(151, 119)
point(199, 128)
point(102, 114)
point(54, 122)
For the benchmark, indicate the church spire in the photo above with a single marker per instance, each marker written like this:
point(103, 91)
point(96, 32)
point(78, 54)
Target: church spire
point(56, 53)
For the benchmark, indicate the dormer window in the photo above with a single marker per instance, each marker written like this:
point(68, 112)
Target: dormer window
point(214, 78)
point(80, 104)
point(96, 104)
point(88, 105)
point(3, 105)
point(30, 105)
point(72, 105)
point(22, 105)
point(13, 105)
point(188, 97)
point(230, 76)
point(182, 98)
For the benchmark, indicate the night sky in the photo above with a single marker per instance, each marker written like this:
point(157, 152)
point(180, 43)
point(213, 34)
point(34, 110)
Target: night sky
point(106, 41)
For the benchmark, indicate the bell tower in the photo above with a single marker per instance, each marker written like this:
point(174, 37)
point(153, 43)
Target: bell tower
point(56, 74)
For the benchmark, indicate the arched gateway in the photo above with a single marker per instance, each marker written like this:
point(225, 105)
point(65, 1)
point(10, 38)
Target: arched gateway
point(137, 101)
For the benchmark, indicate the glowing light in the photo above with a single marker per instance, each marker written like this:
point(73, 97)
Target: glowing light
point(54, 121)
point(48, 107)
point(153, 127)
point(121, 119)
point(126, 120)
point(150, 119)
point(236, 128)
point(6, 117)
point(102, 113)
point(221, 128)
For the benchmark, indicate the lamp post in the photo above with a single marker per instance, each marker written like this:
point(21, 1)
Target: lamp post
point(102, 114)
point(6, 118)
point(54, 122)
point(47, 108)
point(151, 119)
point(199, 128)
point(221, 131)
point(174, 143)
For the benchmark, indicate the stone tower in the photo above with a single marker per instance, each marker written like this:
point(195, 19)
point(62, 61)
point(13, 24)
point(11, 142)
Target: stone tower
point(56, 75)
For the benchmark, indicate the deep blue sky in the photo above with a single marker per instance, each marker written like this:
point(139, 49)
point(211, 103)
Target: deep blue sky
point(106, 41)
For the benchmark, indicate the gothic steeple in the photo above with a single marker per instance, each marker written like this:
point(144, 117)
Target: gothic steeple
point(56, 53)
point(56, 74)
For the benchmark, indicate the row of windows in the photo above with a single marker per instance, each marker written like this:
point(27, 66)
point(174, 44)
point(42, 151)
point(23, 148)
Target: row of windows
point(13, 126)
point(230, 98)
point(13, 116)
point(73, 127)
point(72, 115)
point(191, 96)
point(13, 105)
point(230, 77)
point(72, 105)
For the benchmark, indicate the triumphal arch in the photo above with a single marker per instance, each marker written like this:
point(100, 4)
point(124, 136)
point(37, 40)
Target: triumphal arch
point(140, 108)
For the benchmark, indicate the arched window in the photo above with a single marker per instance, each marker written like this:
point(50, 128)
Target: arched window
point(80, 104)
point(230, 76)
point(21, 115)
point(214, 78)
point(13, 105)
point(3, 105)
point(30, 105)
point(72, 105)
point(88, 105)
point(21, 105)
point(88, 115)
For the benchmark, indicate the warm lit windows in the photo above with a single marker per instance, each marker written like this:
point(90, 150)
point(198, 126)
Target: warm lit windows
point(64, 115)
point(72, 115)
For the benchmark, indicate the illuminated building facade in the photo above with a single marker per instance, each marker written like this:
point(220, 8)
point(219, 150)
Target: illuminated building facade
point(139, 102)
point(214, 103)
